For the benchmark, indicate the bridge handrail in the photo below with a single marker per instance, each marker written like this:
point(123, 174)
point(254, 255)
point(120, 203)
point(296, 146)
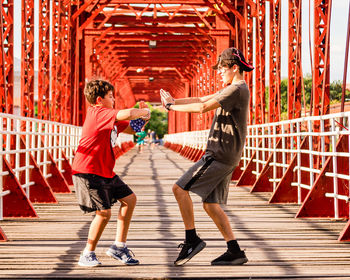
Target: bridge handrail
point(312, 149)
point(26, 140)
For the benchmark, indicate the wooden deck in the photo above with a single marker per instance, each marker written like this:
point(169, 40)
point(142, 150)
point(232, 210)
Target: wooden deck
point(278, 245)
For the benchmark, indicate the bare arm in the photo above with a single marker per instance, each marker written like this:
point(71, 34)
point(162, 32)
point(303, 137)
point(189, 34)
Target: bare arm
point(204, 107)
point(191, 100)
point(131, 114)
point(167, 98)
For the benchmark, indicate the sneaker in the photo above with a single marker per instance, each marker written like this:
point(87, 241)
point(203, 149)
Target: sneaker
point(89, 260)
point(122, 254)
point(229, 258)
point(188, 251)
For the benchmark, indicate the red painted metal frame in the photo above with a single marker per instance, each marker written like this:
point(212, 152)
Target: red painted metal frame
point(44, 61)
point(294, 59)
point(285, 193)
point(275, 62)
point(15, 204)
point(260, 64)
point(316, 204)
point(345, 234)
point(321, 69)
point(248, 51)
point(6, 52)
point(27, 63)
point(56, 63)
point(65, 37)
point(3, 236)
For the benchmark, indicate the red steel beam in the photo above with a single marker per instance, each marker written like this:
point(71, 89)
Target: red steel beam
point(44, 60)
point(65, 36)
point(56, 63)
point(260, 64)
point(321, 61)
point(294, 59)
point(248, 50)
point(148, 29)
point(120, 19)
point(275, 62)
point(27, 63)
point(6, 75)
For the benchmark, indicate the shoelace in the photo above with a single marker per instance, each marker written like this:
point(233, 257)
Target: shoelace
point(127, 252)
point(183, 245)
point(92, 257)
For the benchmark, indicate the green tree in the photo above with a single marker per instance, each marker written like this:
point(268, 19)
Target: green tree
point(335, 91)
point(158, 121)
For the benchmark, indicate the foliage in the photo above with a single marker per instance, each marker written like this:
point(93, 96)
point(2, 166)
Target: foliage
point(158, 121)
point(335, 91)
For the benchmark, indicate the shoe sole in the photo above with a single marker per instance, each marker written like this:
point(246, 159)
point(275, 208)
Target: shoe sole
point(199, 248)
point(239, 261)
point(112, 256)
point(86, 265)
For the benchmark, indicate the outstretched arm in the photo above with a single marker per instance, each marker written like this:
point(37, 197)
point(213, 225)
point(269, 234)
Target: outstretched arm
point(132, 114)
point(166, 96)
point(204, 107)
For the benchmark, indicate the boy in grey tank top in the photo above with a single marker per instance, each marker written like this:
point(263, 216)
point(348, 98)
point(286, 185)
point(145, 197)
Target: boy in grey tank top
point(211, 175)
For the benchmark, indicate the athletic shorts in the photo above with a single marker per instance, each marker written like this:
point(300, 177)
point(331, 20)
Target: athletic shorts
point(209, 179)
point(98, 193)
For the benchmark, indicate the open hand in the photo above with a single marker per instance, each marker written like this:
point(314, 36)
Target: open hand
point(143, 105)
point(166, 97)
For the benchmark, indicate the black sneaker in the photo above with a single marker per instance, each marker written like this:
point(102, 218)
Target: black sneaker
point(188, 251)
point(229, 258)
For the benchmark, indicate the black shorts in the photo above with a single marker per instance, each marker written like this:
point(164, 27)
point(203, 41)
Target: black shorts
point(209, 179)
point(98, 193)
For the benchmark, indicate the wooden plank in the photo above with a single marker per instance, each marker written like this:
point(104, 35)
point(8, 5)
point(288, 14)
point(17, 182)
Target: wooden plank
point(277, 245)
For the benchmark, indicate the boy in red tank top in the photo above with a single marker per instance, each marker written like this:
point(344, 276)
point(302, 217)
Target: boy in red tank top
point(96, 185)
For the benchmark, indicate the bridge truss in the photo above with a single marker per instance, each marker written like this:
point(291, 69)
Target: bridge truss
point(141, 46)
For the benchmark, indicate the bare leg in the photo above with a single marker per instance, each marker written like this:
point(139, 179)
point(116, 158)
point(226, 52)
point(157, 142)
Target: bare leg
point(97, 226)
point(217, 214)
point(124, 217)
point(186, 206)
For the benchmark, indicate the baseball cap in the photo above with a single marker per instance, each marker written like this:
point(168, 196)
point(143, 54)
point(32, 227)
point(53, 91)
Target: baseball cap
point(234, 55)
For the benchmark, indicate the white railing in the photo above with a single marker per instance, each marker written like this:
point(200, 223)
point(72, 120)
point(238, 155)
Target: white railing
point(277, 144)
point(27, 140)
point(22, 137)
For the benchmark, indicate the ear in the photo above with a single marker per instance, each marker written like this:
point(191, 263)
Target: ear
point(235, 67)
point(98, 100)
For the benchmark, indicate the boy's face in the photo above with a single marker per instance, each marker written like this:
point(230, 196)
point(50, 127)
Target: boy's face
point(226, 73)
point(107, 101)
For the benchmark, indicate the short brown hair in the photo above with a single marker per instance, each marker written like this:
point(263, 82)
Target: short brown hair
point(96, 88)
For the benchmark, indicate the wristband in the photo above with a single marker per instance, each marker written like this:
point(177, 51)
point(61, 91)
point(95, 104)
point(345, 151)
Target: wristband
point(137, 124)
point(168, 106)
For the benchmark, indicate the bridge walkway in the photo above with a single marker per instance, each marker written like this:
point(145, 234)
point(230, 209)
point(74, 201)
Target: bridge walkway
point(278, 245)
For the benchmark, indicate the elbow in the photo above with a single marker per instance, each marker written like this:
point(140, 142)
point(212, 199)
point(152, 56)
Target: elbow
point(203, 108)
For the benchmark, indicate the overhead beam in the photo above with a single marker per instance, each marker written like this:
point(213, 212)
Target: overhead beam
point(118, 19)
point(146, 29)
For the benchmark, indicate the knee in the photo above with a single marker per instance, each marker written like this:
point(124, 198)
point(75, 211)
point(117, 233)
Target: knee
point(130, 201)
point(205, 207)
point(133, 200)
point(209, 207)
point(177, 191)
point(105, 215)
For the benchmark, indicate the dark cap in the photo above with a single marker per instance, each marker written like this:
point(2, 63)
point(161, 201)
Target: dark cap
point(236, 56)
